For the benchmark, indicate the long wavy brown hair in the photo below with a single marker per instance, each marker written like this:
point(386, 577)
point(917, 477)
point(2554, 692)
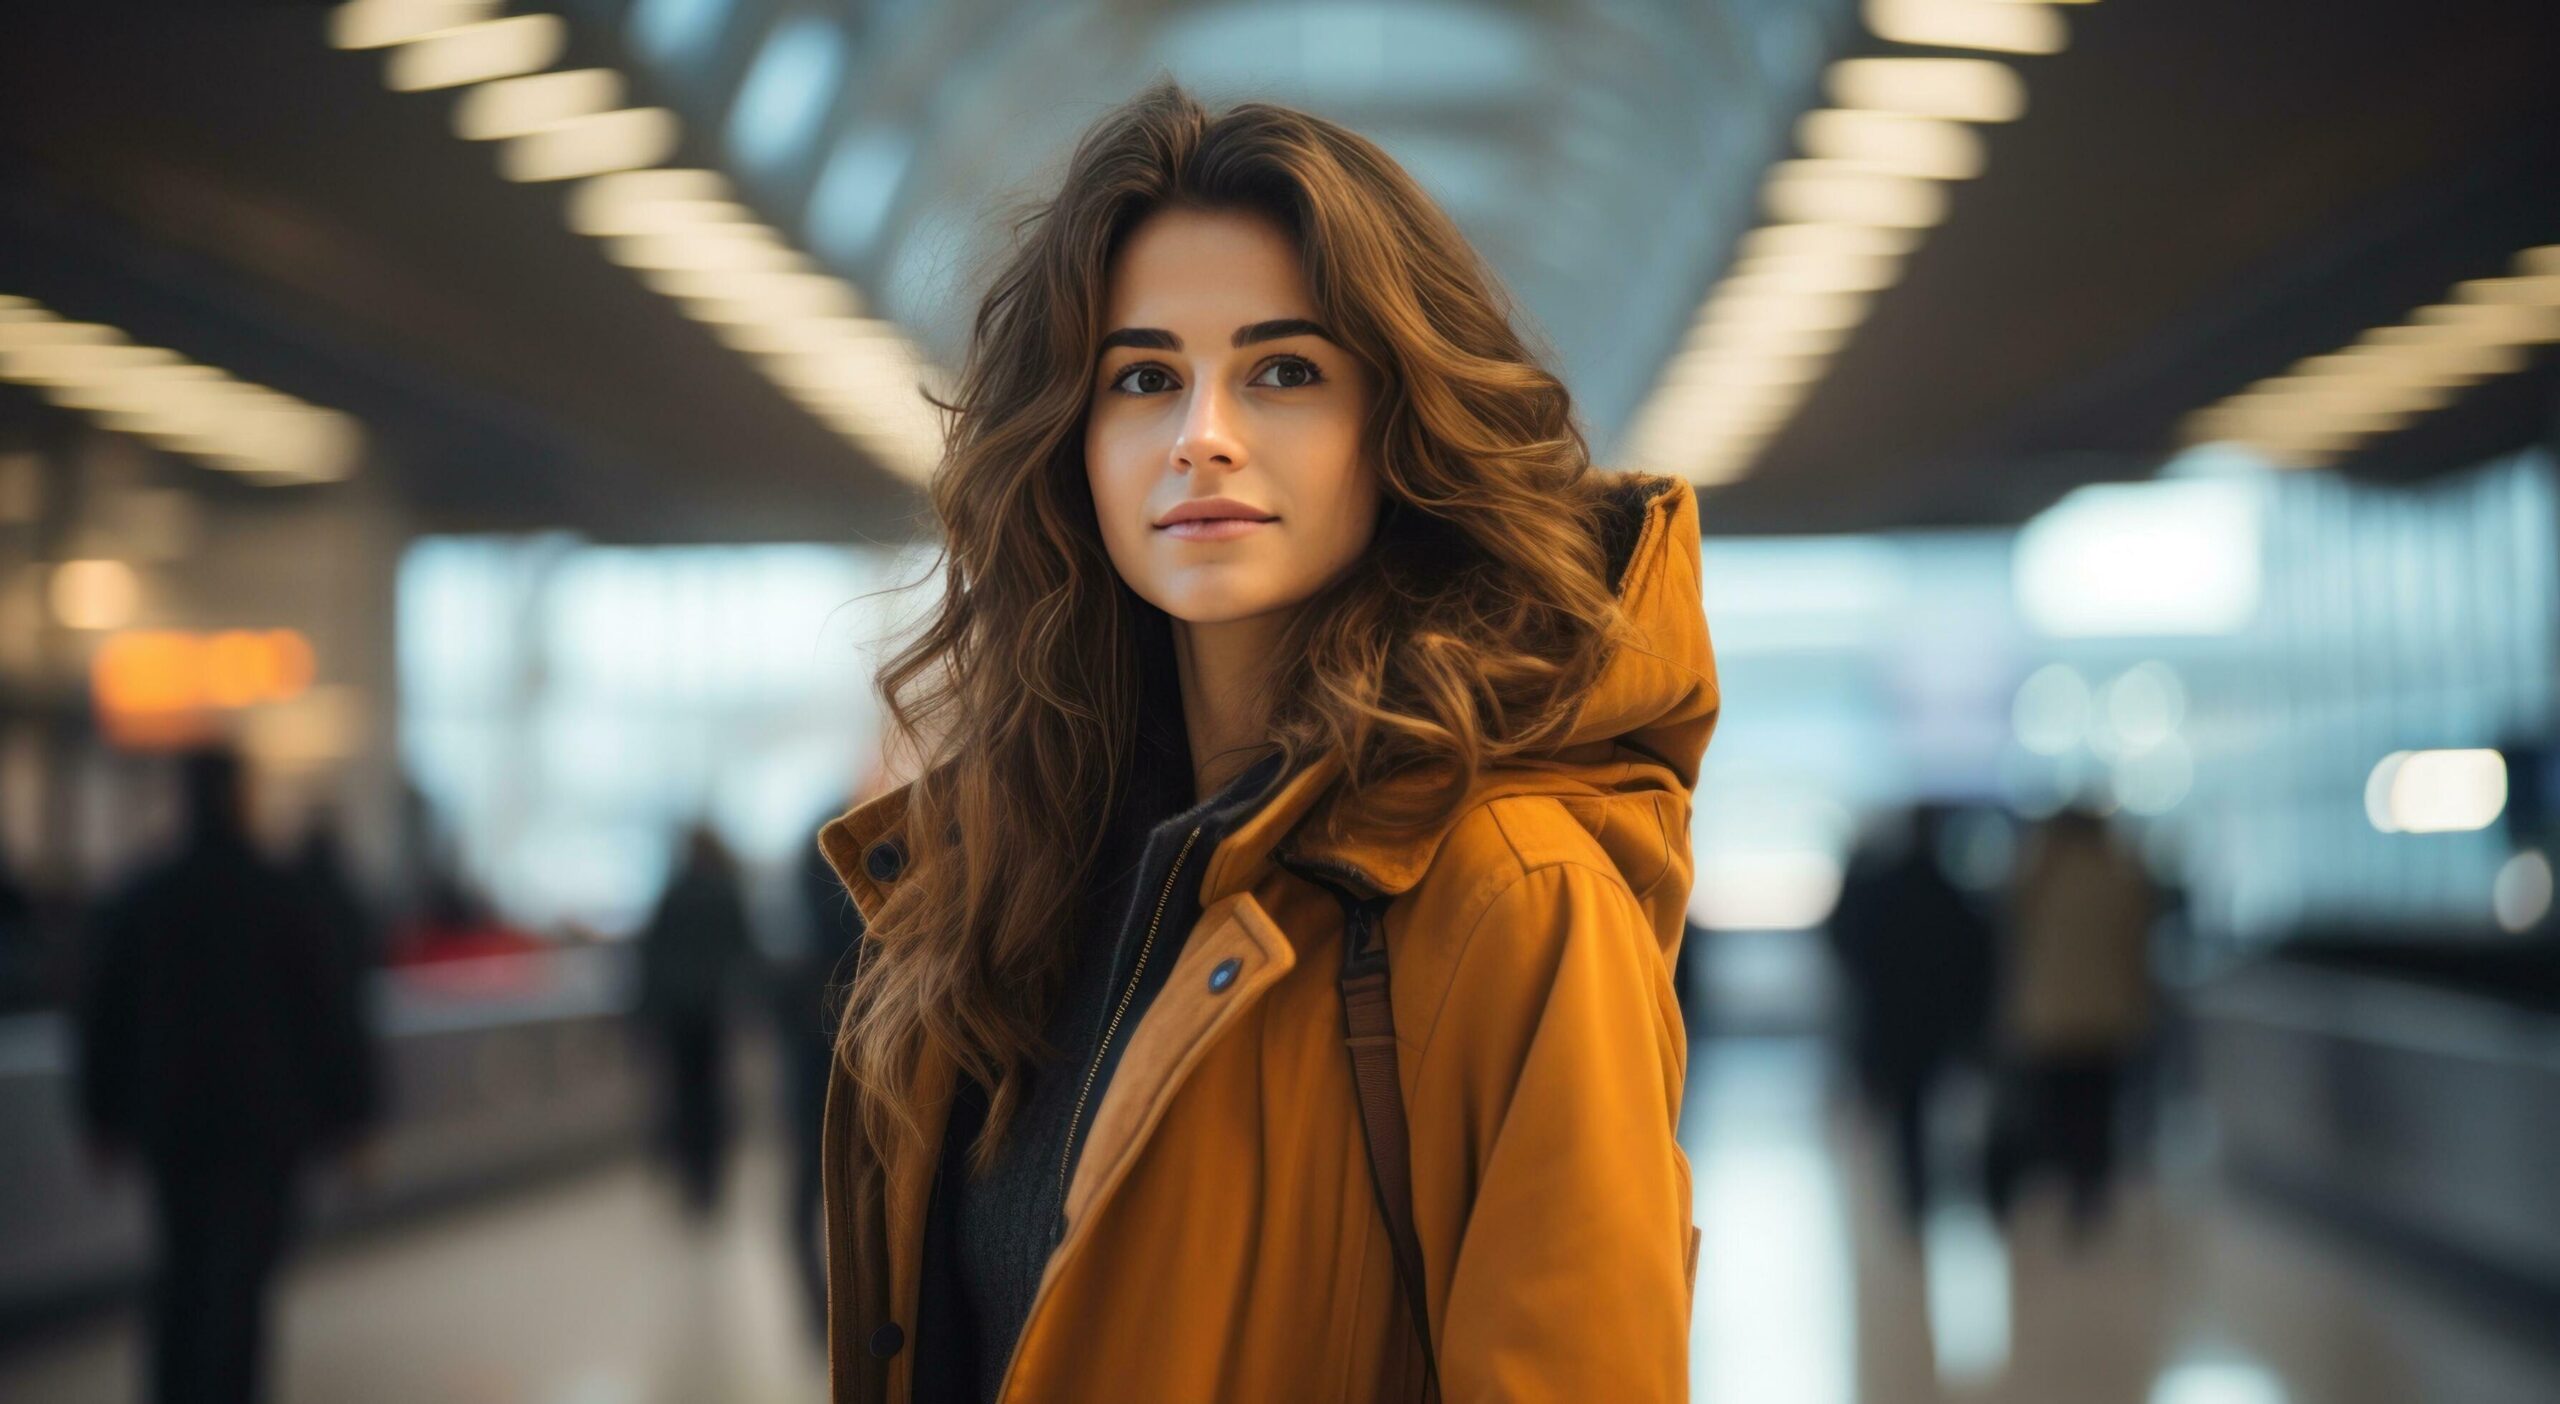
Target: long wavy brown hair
point(1462, 638)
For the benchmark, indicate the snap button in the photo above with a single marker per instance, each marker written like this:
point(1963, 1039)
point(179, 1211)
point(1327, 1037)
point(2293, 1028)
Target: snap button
point(885, 861)
point(886, 1340)
point(1224, 975)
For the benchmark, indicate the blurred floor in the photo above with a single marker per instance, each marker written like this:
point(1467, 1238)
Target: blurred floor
point(2188, 1296)
point(586, 1290)
point(589, 1290)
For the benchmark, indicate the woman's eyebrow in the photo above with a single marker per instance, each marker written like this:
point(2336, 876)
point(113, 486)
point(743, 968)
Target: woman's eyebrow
point(1277, 328)
point(1158, 339)
point(1152, 338)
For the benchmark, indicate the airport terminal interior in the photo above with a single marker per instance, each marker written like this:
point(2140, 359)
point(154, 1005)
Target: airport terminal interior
point(2124, 440)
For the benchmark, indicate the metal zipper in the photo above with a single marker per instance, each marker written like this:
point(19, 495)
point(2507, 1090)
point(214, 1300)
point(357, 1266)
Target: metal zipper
point(1066, 1155)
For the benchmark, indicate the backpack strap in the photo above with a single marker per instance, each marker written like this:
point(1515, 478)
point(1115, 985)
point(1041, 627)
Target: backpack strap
point(1369, 1032)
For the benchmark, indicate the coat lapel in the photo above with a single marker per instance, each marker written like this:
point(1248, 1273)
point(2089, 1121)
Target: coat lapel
point(1183, 1023)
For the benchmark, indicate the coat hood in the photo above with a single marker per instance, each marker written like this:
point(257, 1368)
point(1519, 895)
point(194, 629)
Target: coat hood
point(1656, 697)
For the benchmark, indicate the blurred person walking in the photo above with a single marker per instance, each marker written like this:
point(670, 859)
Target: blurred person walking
point(22, 956)
point(1918, 962)
point(693, 951)
point(222, 1046)
point(345, 917)
point(2078, 1007)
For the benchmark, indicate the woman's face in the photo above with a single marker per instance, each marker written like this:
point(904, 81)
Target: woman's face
point(1216, 392)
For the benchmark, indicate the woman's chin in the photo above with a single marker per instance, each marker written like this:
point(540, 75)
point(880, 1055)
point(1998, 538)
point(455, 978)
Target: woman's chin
point(1208, 602)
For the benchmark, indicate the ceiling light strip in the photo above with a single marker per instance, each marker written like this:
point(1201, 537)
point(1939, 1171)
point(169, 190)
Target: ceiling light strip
point(186, 407)
point(2327, 406)
point(683, 233)
point(1843, 217)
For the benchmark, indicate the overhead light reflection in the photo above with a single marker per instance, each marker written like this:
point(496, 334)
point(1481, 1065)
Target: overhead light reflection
point(705, 248)
point(1959, 89)
point(2212, 1381)
point(682, 231)
point(1845, 240)
point(2492, 322)
point(651, 202)
point(591, 145)
point(2436, 792)
point(157, 393)
point(1732, 369)
point(377, 24)
point(476, 53)
point(95, 594)
point(1968, 24)
point(1831, 192)
point(2326, 406)
point(1814, 273)
point(29, 328)
point(1766, 339)
point(1789, 311)
point(2530, 289)
point(1843, 217)
point(83, 363)
point(764, 298)
point(1927, 147)
point(513, 107)
point(806, 334)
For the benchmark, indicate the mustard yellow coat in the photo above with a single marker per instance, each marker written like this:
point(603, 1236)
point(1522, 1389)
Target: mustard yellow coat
point(1222, 1240)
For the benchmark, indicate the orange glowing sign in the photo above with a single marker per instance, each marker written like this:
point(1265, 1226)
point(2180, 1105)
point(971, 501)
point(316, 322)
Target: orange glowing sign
point(159, 687)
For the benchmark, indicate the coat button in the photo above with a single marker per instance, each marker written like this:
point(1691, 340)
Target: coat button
point(885, 861)
point(886, 1340)
point(1224, 975)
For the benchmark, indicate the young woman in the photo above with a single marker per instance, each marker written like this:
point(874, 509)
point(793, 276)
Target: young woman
point(1265, 986)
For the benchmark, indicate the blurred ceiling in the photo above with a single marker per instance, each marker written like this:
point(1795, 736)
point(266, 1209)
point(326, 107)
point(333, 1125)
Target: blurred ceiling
point(219, 179)
point(2200, 193)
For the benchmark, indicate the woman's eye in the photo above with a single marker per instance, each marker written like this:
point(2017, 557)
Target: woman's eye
point(1284, 373)
point(1143, 380)
point(1288, 373)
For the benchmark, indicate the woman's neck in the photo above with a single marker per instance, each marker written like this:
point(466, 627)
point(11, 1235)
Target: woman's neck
point(1225, 709)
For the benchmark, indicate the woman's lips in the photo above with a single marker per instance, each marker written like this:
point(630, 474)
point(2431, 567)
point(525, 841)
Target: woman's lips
point(1216, 528)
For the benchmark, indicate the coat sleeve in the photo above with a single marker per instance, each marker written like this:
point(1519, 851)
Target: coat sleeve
point(1547, 1093)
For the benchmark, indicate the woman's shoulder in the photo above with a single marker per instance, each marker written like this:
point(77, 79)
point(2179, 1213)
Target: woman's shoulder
point(1506, 837)
point(1521, 885)
point(1509, 850)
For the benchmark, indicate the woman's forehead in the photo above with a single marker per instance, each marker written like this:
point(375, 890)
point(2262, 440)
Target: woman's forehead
point(1206, 272)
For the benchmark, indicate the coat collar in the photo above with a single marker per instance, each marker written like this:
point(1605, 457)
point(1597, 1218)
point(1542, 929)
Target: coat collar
point(1657, 694)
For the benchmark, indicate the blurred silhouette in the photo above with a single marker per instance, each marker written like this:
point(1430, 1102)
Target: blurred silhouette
point(807, 990)
point(2079, 1005)
point(345, 918)
point(344, 914)
point(21, 953)
point(1685, 977)
point(695, 945)
point(1918, 963)
point(221, 1046)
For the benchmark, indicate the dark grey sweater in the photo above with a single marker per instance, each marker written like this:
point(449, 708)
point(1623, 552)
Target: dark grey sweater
point(986, 1240)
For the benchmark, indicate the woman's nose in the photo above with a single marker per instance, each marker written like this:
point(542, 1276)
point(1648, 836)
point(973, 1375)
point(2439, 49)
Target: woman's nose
point(1208, 432)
